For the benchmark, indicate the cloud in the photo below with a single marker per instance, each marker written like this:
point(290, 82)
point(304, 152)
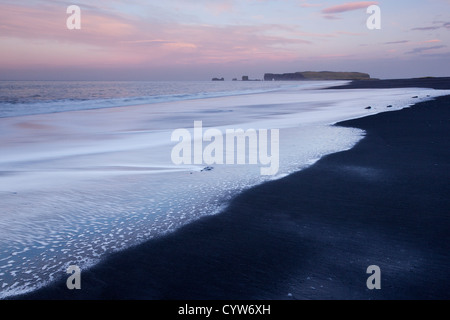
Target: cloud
point(423, 49)
point(157, 41)
point(407, 41)
point(443, 55)
point(433, 41)
point(331, 17)
point(351, 33)
point(397, 42)
point(310, 5)
point(441, 24)
point(426, 28)
point(348, 7)
point(114, 38)
point(48, 22)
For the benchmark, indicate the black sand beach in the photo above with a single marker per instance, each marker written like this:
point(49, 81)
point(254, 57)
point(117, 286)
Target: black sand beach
point(428, 82)
point(313, 234)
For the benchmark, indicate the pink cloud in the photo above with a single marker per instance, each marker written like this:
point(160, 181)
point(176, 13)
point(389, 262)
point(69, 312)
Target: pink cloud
point(310, 5)
point(350, 33)
point(433, 41)
point(49, 22)
point(348, 7)
point(107, 39)
point(331, 17)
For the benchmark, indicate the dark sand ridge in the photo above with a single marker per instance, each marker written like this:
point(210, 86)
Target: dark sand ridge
point(428, 82)
point(314, 233)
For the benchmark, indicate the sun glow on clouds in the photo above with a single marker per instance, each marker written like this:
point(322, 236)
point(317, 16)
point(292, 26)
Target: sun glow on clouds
point(350, 6)
point(151, 34)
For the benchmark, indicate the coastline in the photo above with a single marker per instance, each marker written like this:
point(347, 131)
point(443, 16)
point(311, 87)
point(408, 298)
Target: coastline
point(427, 82)
point(281, 238)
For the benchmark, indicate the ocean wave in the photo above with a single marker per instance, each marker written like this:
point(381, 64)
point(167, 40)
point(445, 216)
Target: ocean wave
point(20, 102)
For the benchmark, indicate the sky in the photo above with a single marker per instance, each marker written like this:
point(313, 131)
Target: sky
point(201, 39)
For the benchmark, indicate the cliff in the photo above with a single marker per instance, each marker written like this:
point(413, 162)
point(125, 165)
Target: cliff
point(310, 75)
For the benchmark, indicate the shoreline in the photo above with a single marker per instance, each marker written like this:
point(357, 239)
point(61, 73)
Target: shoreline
point(427, 82)
point(274, 240)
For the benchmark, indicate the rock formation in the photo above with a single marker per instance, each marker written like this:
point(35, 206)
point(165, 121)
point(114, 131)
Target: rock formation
point(310, 75)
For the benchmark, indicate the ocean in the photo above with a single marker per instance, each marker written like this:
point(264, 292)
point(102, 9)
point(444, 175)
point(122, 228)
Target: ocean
point(86, 168)
point(18, 98)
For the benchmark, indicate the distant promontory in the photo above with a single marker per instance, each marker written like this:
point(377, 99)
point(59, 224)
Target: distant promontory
point(311, 75)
